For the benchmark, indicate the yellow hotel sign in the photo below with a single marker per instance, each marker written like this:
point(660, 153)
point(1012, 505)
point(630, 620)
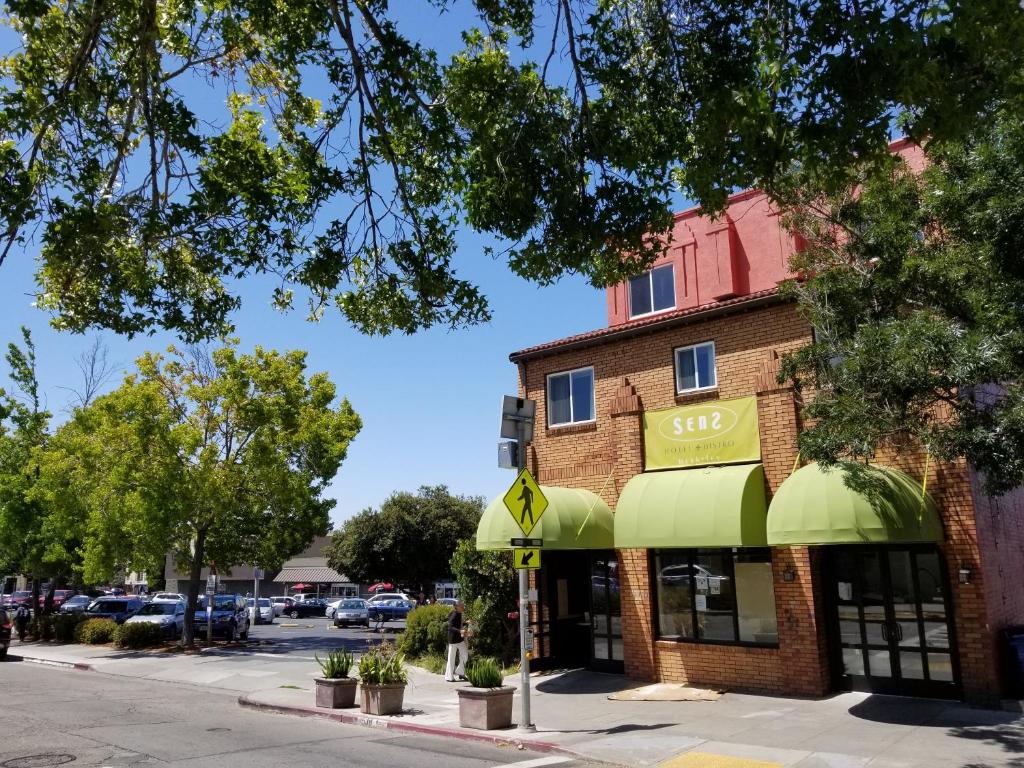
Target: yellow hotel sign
point(716, 432)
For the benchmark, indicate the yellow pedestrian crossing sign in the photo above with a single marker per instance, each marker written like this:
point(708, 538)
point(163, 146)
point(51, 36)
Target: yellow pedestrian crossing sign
point(527, 559)
point(525, 501)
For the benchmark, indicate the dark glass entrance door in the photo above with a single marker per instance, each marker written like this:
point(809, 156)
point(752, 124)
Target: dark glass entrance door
point(891, 620)
point(606, 612)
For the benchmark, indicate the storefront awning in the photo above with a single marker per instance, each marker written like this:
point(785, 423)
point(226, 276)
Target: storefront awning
point(710, 507)
point(851, 504)
point(574, 519)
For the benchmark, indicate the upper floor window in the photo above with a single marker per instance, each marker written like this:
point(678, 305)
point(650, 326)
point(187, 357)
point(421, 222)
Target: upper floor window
point(695, 367)
point(571, 397)
point(653, 291)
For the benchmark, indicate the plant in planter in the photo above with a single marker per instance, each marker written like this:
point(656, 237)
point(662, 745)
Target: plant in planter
point(335, 689)
point(382, 680)
point(487, 704)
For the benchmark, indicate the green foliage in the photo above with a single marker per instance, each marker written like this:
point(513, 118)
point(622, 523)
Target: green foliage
point(214, 454)
point(95, 631)
point(350, 147)
point(410, 539)
point(484, 672)
point(65, 625)
point(434, 663)
point(336, 665)
point(137, 635)
point(490, 590)
point(382, 665)
point(913, 287)
point(426, 631)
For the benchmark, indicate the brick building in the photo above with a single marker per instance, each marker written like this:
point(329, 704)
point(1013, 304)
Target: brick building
point(686, 540)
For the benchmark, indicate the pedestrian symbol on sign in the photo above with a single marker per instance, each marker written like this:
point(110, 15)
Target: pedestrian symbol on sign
point(525, 501)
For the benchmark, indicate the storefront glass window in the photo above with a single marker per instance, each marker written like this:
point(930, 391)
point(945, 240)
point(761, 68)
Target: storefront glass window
point(715, 596)
point(675, 603)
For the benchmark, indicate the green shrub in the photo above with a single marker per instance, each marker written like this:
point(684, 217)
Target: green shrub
point(382, 665)
point(138, 635)
point(95, 631)
point(432, 662)
point(484, 672)
point(426, 631)
point(337, 664)
point(64, 626)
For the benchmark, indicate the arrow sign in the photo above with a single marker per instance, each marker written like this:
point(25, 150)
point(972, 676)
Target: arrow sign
point(526, 559)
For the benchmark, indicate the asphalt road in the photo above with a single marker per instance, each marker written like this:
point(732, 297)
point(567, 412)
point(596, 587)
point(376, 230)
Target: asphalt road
point(59, 717)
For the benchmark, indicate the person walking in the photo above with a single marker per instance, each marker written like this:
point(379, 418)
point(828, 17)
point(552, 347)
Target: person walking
point(21, 617)
point(457, 645)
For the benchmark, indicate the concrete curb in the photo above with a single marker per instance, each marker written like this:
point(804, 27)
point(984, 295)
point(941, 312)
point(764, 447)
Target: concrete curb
point(391, 724)
point(78, 666)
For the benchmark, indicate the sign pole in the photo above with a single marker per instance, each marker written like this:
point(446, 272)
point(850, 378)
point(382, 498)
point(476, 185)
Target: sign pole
point(525, 724)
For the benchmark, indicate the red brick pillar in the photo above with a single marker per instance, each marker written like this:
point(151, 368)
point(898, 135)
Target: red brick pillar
point(799, 603)
point(634, 574)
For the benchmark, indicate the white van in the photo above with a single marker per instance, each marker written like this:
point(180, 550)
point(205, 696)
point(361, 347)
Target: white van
point(382, 596)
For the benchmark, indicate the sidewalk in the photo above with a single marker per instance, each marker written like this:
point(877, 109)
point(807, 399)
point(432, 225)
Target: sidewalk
point(574, 716)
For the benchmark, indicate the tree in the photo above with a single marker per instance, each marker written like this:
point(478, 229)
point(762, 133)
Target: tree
point(33, 539)
point(349, 150)
point(410, 539)
point(490, 588)
point(913, 284)
point(218, 456)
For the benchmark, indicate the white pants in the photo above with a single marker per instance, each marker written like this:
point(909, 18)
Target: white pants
point(450, 672)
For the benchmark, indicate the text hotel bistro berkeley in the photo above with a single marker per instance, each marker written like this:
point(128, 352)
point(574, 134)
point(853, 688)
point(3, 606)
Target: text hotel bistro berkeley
point(699, 435)
point(690, 542)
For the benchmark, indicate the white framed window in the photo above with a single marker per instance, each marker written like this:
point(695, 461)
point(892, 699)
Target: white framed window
point(653, 291)
point(695, 367)
point(571, 397)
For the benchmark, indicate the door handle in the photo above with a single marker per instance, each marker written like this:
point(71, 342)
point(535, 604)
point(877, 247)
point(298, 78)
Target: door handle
point(885, 631)
point(899, 630)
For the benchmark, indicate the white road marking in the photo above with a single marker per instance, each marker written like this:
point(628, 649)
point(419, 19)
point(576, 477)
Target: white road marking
point(536, 763)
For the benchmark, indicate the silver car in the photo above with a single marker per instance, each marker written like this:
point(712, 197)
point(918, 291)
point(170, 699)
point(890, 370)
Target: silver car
point(169, 614)
point(350, 611)
point(266, 610)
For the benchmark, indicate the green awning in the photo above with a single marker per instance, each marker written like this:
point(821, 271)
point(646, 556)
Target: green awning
point(851, 504)
point(710, 507)
point(574, 519)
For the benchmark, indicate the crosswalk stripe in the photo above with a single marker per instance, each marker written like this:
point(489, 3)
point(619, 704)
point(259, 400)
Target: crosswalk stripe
point(540, 761)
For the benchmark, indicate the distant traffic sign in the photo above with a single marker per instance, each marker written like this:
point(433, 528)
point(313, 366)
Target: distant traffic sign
point(526, 542)
point(526, 558)
point(525, 502)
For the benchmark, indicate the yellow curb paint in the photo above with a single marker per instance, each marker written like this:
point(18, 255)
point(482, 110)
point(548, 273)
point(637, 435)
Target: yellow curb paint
point(707, 760)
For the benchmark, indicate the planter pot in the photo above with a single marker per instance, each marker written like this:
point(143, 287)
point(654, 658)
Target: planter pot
point(335, 693)
point(486, 708)
point(382, 699)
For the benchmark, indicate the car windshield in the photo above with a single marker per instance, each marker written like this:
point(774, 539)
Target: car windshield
point(219, 604)
point(108, 606)
point(80, 599)
point(158, 609)
point(264, 602)
point(351, 604)
point(22, 594)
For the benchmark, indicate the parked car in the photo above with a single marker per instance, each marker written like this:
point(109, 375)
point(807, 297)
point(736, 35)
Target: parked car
point(281, 604)
point(170, 596)
point(351, 611)
point(76, 604)
point(266, 610)
point(59, 596)
point(5, 633)
point(451, 602)
point(168, 614)
point(390, 610)
point(230, 617)
point(120, 609)
point(383, 597)
point(18, 598)
point(306, 608)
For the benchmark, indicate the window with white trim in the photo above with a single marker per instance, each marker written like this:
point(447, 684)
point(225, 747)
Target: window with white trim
point(695, 367)
point(571, 397)
point(653, 291)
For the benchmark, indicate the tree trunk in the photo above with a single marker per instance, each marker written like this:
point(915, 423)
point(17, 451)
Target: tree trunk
point(34, 607)
point(48, 600)
point(188, 634)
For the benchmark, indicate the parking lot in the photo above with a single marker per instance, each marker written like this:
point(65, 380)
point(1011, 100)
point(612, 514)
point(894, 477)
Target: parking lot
point(301, 638)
